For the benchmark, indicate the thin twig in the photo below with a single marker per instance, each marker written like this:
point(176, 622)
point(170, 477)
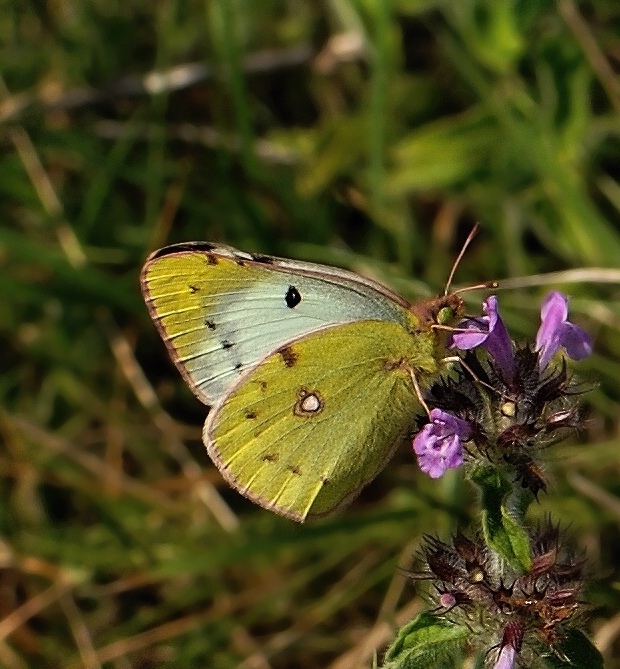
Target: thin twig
point(80, 632)
point(145, 394)
point(152, 83)
point(34, 605)
point(44, 188)
point(268, 151)
point(578, 275)
point(596, 493)
point(9, 659)
point(94, 465)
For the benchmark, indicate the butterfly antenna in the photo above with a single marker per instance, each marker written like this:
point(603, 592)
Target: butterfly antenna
point(470, 236)
point(486, 285)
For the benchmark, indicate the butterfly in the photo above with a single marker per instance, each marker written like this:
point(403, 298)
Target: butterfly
point(314, 374)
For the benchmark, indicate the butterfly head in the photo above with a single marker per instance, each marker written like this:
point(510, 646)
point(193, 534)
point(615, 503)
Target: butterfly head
point(441, 312)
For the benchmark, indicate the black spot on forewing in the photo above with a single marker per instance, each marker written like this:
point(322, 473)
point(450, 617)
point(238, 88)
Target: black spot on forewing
point(227, 344)
point(193, 289)
point(289, 356)
point(292, 297)
point(238, 365)
point(251, 415)
point(210, 324)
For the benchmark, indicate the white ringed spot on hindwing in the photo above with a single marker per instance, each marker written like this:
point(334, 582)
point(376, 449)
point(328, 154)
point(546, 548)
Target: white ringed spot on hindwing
point(309, 403)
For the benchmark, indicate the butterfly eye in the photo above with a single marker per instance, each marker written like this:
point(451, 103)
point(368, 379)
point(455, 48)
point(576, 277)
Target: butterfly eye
point(446, 316)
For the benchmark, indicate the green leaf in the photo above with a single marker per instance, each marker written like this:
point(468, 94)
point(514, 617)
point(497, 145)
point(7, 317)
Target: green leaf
point(576, 651)
point(502, 532)
point(442, 153)
point(426, 641)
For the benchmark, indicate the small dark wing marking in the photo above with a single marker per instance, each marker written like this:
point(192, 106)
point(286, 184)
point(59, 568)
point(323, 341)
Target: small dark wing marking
point(289, 357)
point(266, 260)
point(292, 297)
point(182, 247)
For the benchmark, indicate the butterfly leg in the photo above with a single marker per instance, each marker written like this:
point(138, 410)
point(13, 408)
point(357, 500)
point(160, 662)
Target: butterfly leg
point(457, 358)
point(418, 392)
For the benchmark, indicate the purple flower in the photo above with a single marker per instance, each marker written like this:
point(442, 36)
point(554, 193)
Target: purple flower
point(556, 332)
point(506, 659)
point(447, 600)
point(490, 332)
point(512, 638)
point(439, 445)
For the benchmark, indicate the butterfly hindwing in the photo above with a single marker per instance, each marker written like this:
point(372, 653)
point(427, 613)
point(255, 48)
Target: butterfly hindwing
point(316, 420)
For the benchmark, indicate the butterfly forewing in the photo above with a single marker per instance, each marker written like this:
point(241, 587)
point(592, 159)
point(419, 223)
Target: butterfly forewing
point(220, 312)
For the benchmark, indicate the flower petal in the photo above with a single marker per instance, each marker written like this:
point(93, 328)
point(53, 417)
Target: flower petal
point(557, 332)
point(553, 312)
point(439, 444)
point(499, 345)
point(477, 330)
point(490, 332)
point(576, 342)
point(554, 306)
point(452, 423)
point(506, 659)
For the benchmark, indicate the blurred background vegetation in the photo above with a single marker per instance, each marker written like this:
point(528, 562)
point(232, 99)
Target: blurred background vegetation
point(366, 134)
